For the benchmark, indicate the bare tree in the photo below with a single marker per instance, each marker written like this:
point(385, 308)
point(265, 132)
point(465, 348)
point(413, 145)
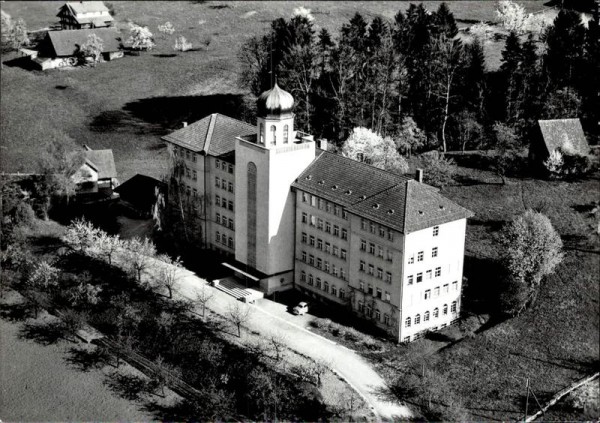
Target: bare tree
point(204, 297)
point(278, 342)
point(140, 254)
point(239, 314)
point(164, 373)
point(317, 369)
point(169, 273)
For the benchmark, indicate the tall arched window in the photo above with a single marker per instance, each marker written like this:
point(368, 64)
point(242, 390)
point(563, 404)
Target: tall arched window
point(285, 134)
point(262, 134)
point(251, 215)
point(273, 135)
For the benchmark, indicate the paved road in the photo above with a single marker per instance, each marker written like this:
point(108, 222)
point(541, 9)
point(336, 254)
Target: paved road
point(268, 317)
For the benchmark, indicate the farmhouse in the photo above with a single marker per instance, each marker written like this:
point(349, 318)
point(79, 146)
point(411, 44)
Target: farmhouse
point(290, 215)
point(84, 15)
point(59, 48)
point(564, 135)
point(97, 177)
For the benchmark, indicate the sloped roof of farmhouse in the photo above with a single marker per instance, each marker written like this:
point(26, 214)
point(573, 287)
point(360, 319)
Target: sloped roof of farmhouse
point(85, 7)
point(215, 134)
point(561, 133)
point(66, 42)
point(103, 161)
point(391, 200)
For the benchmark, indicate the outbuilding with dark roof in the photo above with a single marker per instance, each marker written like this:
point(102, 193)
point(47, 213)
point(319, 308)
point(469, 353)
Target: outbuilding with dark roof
point(565, 135)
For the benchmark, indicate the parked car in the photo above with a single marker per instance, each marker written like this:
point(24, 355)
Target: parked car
point(300, 309)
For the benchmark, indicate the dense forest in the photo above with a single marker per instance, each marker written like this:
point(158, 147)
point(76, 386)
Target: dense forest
point(415, 75)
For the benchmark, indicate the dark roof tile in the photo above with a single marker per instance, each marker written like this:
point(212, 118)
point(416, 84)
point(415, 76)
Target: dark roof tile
point(558, 132)
point(66, 42)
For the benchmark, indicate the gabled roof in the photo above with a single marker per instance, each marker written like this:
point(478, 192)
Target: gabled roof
point(85, 7)
point(394, 201)
point(66, 42)
point(564, 134)
point(214, 135)
point(102, 161)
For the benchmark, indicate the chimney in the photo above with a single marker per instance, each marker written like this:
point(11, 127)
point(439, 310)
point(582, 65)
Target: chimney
point(184, 124)
point(419, 175)
point(322, 144)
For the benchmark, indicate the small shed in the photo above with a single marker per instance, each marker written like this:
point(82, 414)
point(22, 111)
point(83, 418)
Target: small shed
point(98, 174)
point(565, 135)
point(59, 48)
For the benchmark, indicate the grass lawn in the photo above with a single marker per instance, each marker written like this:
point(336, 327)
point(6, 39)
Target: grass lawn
point(129, 103)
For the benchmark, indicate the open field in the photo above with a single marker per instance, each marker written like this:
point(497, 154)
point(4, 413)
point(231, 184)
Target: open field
point(128, 104)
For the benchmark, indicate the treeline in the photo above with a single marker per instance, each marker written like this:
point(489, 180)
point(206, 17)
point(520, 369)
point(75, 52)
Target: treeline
point(378, 74)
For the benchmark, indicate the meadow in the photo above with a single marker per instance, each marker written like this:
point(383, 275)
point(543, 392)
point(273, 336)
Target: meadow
point(129, 103)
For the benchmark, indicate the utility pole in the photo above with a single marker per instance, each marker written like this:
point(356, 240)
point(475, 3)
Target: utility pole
point(526, 400)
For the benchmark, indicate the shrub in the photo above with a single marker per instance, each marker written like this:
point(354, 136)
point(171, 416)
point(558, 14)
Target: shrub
point(181, 44)
point(438, 171)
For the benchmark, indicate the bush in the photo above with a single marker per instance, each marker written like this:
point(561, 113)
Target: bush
point(437, 170)
point(181, 44)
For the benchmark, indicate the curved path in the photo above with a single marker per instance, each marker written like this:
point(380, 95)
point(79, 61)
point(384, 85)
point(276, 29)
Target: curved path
point(269, 317)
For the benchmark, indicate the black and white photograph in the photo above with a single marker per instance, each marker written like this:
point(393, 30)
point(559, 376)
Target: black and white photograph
point(260, 211)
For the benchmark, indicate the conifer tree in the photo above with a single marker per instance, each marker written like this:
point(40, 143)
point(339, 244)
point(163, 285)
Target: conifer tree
point(511, 57)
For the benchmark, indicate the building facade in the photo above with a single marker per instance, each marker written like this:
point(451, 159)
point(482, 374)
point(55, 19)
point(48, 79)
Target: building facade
point(292, 215)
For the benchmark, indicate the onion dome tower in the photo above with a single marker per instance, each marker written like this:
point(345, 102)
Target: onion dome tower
point(275, 119)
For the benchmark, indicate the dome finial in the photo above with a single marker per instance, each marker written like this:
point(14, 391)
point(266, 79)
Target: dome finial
point(275, 102)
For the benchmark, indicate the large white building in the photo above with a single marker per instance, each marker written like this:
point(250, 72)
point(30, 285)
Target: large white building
point(290, 215)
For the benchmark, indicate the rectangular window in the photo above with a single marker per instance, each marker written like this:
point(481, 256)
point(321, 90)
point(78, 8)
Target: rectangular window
point(217, 164)
point(187, 172)
point(218, 218)
point(304, 218)
point(223, 165)
point(218, 236)
point(217, 200)
point(320, 204)
point(230, 168)
point(217, 182)
point(313, 221)
point(363, 224)
point(363, 245)
point(438, 272)
point(342, 294)
point(335, 251)
point(419, 277)
point(344, 234)
point(362, 266)
point(390, 256)
point(313, 200)
point(304, 256)
point(328, 227)
point(311, 280)
point(386, 319)
point(372, 227)
point(362, 286)
point(230, 242)
point(312, 241)
point(379, 252)
point(328, 207)
point(230, 187)
point(231, 205)
point(304, 237)
point(453, 307)
point(410, 279)
point(328, 248)
point(303, 276)
point(407, 324)
point(333, 290)
point(335, 271)
point(390, 235)
point(377, 315)
point(344, 215)
point(387, 296)
point(436, 230)
point(319, 263)
point(195, 192)
point(381, 232)
point(343, 254)
point(371, 270)
point(370, 289)
point(320, 224)
point(319, 283)
point(371, 248)
point(445, 288)
point(311, 260)
point(379, 293)
point(427, 294)
point(195, 175)
point(380, 273)
point(343, 274)
point(194, 157)
point(223, 184)
point(319, 243)
point(187, 154)
point(388, 277)
point(436, 292)
point(434, 252)
point(361, 307)
point(455, 286)
point(411, 259)
point(428, 274)
point(336, 230)
point(336, 210)
point(326, 266)
point(420, 256)
point(231, 226)
point(304, 197)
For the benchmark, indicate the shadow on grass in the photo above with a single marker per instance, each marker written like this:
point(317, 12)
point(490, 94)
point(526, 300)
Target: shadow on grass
point(160, 115)
point(130, 387)
point(20, 62)
point(481, 294)
point(165, 55)
point(466, 180)
point(46, 333)
point(16, 312)
point(85, 359)
point(492, 225)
